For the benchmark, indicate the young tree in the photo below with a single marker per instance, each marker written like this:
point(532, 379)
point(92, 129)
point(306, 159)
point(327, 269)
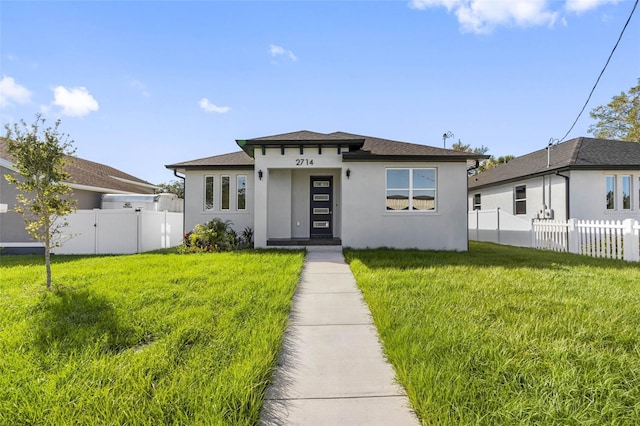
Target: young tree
point(173, 187)
point(39, 155)
point(620, 118)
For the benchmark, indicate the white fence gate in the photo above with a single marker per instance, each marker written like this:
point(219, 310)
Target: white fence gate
point(118, 231)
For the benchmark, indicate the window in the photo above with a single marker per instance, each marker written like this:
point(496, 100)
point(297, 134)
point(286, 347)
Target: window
point(224, 193)
point(208, 192)
point(520, 199)
point(610, 192)
point(241, 195)
point(626, 192)
point(476, 202)
point(411, 189)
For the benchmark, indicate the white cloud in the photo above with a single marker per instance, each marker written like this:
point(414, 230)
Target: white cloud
point(482, 16)
point(209, 107)
point(75, 102)
point(275, 51)
point(12, 92)
point(137, 84)
point(579, 6)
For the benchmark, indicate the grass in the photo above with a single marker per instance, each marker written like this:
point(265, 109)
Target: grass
point(504, 335)
point(142, 340)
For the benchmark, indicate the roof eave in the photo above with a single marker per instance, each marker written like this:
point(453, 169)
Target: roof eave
point(183, 168)
point(355, 156)
point(554, 170)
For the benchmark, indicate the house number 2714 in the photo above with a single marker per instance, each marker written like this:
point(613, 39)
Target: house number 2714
point(304, 162)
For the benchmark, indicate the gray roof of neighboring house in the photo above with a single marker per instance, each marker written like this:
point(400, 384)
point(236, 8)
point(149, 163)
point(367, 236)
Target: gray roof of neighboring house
point(99, 177)
point(575, 154)
point(357, 148)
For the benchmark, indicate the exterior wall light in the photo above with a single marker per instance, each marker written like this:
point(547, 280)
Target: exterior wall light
point(260, 174)
point(4, 208)
point(348, 173)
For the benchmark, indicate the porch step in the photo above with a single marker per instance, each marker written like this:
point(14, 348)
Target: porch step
point(288, 242)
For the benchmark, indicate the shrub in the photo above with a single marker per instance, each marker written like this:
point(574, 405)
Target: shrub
point(216, 235)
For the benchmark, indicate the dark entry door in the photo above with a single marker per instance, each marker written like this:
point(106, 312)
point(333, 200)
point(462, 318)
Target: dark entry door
point(321, 207)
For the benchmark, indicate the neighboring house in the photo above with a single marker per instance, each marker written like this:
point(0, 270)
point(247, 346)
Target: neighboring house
point(89, 181)
point(305, 188)
point(582, 178)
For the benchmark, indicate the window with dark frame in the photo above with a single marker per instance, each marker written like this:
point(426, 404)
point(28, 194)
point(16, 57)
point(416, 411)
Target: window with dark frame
point(520, 199)
point(477, 205)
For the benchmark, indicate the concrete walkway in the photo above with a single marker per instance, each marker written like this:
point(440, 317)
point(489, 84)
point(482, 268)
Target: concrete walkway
point(331, 369)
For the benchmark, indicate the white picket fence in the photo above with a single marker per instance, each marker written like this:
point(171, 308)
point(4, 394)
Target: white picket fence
point(119, 231)
point(596, 238)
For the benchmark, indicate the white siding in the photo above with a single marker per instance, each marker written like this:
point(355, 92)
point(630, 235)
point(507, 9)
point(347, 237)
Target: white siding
point(587, 195)
point(367, 223)
point(194, 199)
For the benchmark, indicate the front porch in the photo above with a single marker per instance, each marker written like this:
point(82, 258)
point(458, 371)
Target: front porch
point(302, 242)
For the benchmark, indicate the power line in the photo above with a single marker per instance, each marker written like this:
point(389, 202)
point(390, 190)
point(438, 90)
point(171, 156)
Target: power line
point(601, 72)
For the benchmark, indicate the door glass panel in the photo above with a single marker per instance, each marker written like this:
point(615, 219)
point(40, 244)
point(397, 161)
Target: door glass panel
point(320, 197)
point(320, 210)
point(320, 224)
point(321, 184)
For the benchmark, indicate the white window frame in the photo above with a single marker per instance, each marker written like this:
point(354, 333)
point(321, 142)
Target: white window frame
point(622, 191)
point(238, 177)
point(606, 191)
point(517, 200)
point(213, 193)
point(222, 178)
point(410, 208)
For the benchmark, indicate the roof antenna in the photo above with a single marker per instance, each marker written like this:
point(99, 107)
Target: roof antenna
point(446, 136)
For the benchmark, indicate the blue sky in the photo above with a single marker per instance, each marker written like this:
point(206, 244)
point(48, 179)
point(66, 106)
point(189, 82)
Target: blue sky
point(142, 84)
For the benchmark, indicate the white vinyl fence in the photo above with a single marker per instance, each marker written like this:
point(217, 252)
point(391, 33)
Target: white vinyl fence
point(119, 231)
point(499, 227)
point(596, 238)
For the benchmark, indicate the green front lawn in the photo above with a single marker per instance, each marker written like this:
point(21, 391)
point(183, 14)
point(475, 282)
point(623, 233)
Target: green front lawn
point(143, 339)
point(504, 335)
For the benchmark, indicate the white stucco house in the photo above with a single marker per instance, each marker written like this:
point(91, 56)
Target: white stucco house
point(583, 178)
point(305, 188)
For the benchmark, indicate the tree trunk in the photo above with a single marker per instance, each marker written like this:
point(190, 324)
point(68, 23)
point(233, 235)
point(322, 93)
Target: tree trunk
point(47, 263)
point(47, 250)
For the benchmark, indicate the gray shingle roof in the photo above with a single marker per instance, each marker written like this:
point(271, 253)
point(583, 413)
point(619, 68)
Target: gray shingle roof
point(387, 147)
point(238, 159)
point(579, 153)
point(96, 175)
point(370, 149)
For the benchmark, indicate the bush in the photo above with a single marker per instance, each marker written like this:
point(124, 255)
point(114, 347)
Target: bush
point(216, 235)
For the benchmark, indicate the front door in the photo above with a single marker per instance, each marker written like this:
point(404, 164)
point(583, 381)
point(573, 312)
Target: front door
point(321, 207)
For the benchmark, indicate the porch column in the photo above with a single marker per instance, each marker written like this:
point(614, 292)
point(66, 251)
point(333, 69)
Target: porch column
point(260, 207)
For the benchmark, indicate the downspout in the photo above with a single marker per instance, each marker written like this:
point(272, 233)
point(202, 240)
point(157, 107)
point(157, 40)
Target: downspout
point(184, 200)
point(566, 194)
